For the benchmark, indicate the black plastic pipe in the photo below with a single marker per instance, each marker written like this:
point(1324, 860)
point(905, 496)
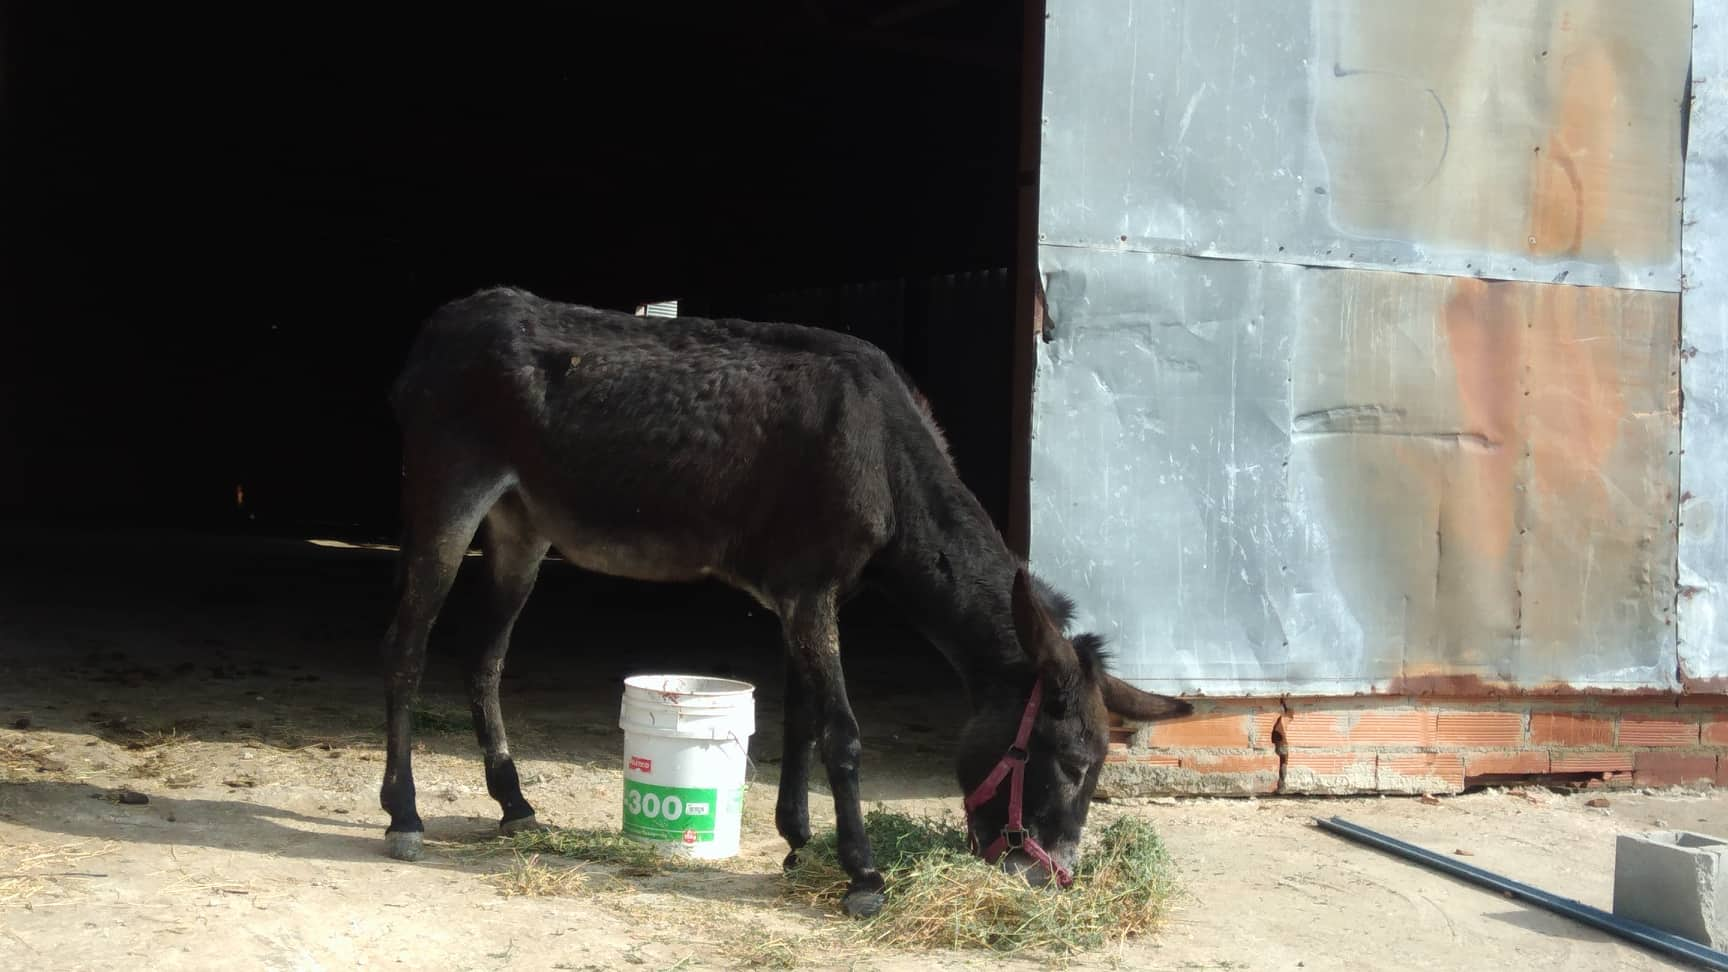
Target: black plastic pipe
point(1632, 931)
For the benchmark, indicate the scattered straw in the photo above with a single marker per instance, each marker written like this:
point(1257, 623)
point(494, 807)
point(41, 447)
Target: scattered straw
point(160, 765)
point(939, 895)
point(19, 759)
point(530, 876)
point(757, 948)
point(27, 870)
point(594, 846)
point(537, 859)
point(543, 862)
point(123, 731)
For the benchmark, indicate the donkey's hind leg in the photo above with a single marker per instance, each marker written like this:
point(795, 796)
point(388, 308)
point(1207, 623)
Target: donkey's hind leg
point(792, 809)
point(514, 552)
point(443, 502)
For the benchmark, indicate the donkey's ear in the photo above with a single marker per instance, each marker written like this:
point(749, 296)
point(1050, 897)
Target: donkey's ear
point(1038, 635)
point(1136, 706)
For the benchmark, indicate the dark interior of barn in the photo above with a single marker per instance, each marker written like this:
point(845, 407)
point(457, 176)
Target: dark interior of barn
point(220, 234)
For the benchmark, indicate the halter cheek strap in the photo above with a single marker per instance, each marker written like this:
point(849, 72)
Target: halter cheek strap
point(1012, 766)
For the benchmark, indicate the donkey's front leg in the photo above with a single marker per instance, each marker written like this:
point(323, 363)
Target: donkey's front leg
point(813, 641)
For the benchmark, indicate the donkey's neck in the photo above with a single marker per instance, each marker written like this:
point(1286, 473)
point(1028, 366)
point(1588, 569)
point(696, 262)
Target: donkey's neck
point(952, 573)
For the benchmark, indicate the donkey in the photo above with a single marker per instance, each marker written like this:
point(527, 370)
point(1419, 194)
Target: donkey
point(792, 463)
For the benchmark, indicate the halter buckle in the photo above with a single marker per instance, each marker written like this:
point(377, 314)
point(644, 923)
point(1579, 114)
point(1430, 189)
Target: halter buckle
point(1015, 838)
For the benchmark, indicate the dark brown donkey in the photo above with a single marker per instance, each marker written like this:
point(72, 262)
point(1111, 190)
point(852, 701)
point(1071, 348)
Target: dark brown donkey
point(792, 463)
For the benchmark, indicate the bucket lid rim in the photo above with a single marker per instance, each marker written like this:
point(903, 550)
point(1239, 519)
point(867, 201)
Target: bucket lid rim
point(652, 683)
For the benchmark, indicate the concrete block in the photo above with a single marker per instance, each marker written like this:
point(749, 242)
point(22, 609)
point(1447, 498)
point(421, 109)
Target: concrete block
point(1674, 880)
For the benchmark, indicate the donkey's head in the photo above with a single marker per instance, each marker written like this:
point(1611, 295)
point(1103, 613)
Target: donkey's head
point(1035, 754)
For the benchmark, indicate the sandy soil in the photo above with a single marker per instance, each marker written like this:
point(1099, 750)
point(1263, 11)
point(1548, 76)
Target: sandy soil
point(232, 684)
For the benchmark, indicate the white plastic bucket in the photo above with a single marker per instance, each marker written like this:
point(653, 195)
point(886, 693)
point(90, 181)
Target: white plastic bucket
point(686, 743)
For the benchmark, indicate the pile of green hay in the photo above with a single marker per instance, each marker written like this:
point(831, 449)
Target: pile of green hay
point(941, 896)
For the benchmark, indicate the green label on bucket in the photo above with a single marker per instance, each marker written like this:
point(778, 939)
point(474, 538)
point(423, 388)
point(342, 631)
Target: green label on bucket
point(669, 813)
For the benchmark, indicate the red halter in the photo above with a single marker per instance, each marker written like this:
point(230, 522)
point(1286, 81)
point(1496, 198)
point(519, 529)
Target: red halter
point(1013, 765)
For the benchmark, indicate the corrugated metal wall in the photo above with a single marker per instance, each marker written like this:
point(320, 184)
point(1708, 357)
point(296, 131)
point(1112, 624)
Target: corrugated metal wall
point(1704, 362)
point(1366, 359)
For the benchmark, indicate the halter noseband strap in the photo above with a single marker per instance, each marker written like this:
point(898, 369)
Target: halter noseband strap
point(1013, 766)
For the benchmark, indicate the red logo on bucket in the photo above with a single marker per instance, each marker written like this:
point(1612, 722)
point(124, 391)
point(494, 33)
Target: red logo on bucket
point(642, 763)
point(689, 836)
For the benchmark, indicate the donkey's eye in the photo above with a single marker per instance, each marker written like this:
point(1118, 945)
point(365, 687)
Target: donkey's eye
point(1073, 770)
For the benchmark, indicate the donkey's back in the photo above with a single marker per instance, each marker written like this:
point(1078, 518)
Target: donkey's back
point(660, 449)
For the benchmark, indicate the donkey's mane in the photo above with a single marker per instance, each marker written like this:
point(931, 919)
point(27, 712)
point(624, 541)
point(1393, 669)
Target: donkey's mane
point(924, 410)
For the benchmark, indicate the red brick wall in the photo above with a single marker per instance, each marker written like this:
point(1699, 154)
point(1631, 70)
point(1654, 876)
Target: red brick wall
point(1420, 745)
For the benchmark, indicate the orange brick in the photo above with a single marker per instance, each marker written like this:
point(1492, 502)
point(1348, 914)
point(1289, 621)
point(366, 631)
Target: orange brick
point(1231, 763)
point(1567, 729)
point(1264, 722)
point(1530, 762)
point(1333, 728)
point(1229, 731)
point(1395, 727)
point(1481, 730)
point(1663, 769)
point(1117, 753)
point(1642, 731)
point(1716, 732)
point(1233, 772)
point(1420, 772)
point(1309, 772)
point(1330, 762)
point(1317, 729)
point(1121, 735)
point(1590, 762)
point(1143, 759)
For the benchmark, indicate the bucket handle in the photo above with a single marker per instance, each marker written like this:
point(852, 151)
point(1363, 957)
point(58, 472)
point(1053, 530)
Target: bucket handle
point(750, 764)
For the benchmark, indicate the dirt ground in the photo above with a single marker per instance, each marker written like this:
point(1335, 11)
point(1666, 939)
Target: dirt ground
point(232, 683)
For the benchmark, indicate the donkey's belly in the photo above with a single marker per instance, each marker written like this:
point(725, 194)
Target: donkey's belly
point(636, 553)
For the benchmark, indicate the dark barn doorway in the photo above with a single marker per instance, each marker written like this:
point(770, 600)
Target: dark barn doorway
point(220, 232)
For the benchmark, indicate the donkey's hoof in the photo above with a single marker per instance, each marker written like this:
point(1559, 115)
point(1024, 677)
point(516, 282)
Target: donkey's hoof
point(862, 904)
point(405, 845)
point(790, 862)
point(521, 825)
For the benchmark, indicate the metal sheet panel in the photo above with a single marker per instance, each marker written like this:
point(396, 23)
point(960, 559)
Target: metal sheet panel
point(1703, 605)
point(1264, 478)
point(1526, 141)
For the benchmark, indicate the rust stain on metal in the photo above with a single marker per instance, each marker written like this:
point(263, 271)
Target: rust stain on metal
point(1512, 475)
point(1569, 153)
point(1571, 178)
point(1371, 481)
point(1495, 465)
point(1597, 180)
point(1577, 417)
point(1704, 685)
point(1487, 357)
point(1435, 682)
